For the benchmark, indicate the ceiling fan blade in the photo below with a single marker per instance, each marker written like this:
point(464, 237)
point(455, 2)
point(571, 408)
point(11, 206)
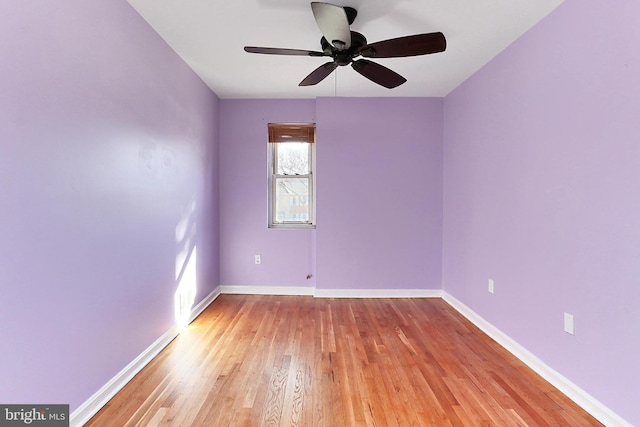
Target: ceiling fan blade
point(319, 74)
point(279, 51)
point(378, 73)
point(333, 23)
point(419, 44)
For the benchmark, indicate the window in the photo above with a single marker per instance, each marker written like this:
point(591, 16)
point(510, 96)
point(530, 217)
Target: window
point(291, 181)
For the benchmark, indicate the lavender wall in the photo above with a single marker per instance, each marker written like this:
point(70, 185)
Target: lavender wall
point(541, 194)
point(379, 193)
point(287, 254)
point(107, 153)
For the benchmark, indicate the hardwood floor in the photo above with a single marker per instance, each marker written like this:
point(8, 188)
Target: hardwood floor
point(300, 361)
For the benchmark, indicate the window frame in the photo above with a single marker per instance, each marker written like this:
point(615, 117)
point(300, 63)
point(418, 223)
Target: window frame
point(272, 171)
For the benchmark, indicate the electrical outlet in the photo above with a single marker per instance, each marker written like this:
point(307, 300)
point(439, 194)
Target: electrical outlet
point(258, 259)
point(568, 323)
point(490, 285)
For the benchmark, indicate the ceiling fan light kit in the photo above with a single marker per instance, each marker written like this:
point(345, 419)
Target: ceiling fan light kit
point(344, 46)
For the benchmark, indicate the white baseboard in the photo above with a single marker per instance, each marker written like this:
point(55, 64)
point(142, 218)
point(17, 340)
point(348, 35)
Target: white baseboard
point(89, 408)
point(332, 293)
point(378, 293)
point(267, 290)
point(571, 390)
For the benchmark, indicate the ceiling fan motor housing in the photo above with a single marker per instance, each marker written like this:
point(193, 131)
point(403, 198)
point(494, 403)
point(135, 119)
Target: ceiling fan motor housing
point(344, 57)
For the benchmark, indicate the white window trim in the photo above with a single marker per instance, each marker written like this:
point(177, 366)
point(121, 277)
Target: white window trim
point(271, 172)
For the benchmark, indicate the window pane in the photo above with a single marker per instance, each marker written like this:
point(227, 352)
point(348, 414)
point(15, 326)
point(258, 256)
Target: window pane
point(293, 158)
point(292, 199)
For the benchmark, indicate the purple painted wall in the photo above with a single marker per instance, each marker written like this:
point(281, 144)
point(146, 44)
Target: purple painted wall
point(379, 193)
point(541, 194)
point(287, 254)
point(107, 152)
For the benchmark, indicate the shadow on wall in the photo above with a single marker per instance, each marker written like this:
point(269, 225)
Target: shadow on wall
point(186, 278)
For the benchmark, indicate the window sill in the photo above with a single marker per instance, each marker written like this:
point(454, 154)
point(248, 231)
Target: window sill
point(293, 226)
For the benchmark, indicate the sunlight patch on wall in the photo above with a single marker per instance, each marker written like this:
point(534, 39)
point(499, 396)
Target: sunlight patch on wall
point(186, 277)
point(186, 293)
point(185, 235)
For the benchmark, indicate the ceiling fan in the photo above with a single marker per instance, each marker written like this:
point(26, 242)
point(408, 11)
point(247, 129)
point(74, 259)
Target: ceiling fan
point(344, 46)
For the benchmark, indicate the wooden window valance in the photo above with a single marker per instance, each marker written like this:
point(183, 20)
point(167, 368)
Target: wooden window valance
point(292, 132)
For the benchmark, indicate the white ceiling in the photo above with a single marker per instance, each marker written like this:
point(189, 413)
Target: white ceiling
point(210, 35)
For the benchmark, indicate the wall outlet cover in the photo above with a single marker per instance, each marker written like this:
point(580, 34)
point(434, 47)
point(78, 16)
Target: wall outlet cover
point(568, 323)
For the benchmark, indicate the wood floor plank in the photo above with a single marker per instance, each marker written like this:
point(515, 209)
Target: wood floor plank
point(301, 361)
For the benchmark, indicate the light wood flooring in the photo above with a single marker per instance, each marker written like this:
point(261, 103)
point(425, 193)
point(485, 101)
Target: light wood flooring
point(304, 361)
